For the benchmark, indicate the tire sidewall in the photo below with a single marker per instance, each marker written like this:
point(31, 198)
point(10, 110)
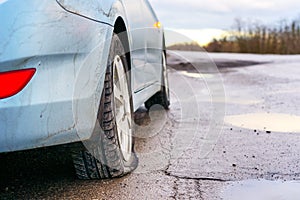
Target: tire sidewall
point(117, 49)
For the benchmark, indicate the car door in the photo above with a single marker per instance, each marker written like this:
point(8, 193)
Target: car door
point(135, 23)
point(153, 35)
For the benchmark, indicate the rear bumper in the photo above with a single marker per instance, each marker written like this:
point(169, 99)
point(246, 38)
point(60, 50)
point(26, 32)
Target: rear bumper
point(59, 105)
point(42, 111)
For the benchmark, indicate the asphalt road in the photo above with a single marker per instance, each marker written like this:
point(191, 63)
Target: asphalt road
point(225, 125)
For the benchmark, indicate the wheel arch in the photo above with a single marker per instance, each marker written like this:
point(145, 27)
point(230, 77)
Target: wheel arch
point(121, 30)
point(164, 45)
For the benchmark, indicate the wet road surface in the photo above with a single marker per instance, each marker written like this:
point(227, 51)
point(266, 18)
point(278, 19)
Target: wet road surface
point(226, 135)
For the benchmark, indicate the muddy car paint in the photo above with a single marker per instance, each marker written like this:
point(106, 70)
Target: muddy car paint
point(68, 45)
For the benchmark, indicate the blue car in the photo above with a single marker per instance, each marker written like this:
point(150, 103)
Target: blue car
point(74, 72)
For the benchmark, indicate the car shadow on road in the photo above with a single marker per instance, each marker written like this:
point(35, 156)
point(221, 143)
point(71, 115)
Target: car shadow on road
point(20, 170)
point(32, 173)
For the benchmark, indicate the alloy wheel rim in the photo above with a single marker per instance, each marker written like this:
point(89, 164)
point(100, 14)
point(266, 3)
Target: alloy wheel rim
point(123, 113)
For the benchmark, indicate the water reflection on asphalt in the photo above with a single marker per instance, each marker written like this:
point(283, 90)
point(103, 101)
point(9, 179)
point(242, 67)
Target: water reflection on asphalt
point(262, 190)
point(266, 122)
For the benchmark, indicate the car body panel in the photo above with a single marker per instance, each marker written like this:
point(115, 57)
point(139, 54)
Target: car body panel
point(153, 45)
point(98, 10)
point(69, 48)
point(138, 50)
point(141, 25)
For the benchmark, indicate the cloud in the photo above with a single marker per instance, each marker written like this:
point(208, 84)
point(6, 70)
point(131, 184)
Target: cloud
point(193, 14)
point(202, 36)
point(2, 1)
point(191, 5)
point(225, 6)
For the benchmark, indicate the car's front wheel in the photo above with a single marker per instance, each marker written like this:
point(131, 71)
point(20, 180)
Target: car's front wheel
point(113, 155)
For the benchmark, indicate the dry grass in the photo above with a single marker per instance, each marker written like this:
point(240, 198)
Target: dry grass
point(258, 38)
point(192, 46)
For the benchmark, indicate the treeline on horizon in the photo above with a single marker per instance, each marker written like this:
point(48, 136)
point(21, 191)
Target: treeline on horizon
point(187, 46)
point(258, 38)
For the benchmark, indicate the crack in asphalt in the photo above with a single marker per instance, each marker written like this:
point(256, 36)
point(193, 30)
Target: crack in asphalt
point(199, 190)
point(196, 178)
point(177, 194)
point(168, 151)
point(176, 186)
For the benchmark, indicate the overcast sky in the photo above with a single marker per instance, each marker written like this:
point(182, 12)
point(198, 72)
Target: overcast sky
point(220, 14)
point(199, 14)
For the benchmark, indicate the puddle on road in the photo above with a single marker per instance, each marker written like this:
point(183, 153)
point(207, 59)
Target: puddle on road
point(227, 101)
point(262, 190)
point(290, 91)
point(240, 101)
point(266, 122)
point(244, 101)
point(196, 75)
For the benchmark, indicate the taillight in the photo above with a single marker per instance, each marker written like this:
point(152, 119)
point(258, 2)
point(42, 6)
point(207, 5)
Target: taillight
point(13, 82)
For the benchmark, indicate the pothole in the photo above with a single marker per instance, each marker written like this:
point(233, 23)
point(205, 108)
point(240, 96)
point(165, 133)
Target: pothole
point(266, 122)
point(262, 190)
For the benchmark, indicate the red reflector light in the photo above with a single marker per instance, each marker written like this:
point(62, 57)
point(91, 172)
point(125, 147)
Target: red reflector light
point(13, 82)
